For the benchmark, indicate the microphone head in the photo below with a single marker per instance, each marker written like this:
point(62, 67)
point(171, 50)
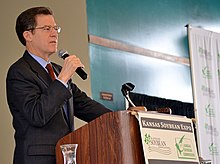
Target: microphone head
point(127, 87)
point(62, 53)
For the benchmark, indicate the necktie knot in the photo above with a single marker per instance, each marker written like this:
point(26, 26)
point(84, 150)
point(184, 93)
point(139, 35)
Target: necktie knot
point(50, 71)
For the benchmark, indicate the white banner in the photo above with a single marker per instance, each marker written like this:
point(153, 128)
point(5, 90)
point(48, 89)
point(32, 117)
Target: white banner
point(167, 139)
point(204, 58)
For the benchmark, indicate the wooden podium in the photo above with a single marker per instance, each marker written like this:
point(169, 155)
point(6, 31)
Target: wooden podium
point(113, 138)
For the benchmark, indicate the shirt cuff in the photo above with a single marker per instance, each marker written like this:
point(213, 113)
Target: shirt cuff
point(63, 83)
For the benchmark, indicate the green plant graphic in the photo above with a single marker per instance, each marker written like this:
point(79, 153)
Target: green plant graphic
point(147, 139)
point(179, 145)
point(206, 73)
point(218, 56)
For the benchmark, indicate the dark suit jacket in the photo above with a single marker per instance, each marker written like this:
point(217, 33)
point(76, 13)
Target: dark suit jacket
point(36, 103)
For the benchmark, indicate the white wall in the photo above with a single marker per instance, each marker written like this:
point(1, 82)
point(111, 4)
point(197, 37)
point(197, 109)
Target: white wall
point(71, 16)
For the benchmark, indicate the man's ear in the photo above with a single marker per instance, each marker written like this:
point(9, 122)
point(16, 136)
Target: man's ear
point(27, 36)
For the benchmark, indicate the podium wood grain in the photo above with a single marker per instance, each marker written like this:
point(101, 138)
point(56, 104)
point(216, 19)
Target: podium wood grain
point(113, 138)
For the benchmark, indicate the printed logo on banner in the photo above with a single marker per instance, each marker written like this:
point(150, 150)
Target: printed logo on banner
point(184, 148)
point(155, 144)
point(204, 54)
point(218, 55)
point(209, 110)
point(210, 129)
point(206, 73)
point(218, 73)
point(207, 91)
point(213, 149)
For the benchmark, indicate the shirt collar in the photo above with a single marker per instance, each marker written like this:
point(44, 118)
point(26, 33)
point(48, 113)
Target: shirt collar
point(41, 61)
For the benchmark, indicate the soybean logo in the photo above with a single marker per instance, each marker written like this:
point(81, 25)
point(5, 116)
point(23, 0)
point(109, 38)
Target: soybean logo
point(213, 149)
point(156, 145)
point(218, 55)
point(209, 110)
point(206, 73)
point(184, 148)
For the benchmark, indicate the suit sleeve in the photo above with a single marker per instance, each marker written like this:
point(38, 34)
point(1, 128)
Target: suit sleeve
point(86, 108)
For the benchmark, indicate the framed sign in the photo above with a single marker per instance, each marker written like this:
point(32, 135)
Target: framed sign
point(167, 139)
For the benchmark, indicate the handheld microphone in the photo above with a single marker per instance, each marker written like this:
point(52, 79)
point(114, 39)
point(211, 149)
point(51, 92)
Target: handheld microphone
point(63, 54)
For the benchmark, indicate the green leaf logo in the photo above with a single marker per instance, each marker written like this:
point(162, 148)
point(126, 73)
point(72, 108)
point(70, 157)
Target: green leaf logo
point(179, 145)
point(206, 73)
point(147, 139)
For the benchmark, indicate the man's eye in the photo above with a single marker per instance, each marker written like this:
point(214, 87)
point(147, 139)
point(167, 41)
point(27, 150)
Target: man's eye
point(47, 28)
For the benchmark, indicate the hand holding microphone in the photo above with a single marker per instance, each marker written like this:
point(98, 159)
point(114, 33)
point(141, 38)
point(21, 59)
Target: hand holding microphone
point(71, 64)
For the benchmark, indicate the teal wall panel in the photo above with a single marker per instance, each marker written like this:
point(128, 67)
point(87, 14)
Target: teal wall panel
point(150, 76)
point(158, 25)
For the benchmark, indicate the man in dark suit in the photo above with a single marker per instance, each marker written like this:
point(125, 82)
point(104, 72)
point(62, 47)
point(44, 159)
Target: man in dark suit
point(42, 107)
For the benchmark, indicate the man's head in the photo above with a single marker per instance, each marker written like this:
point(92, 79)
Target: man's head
point(37, 30)
point(27, 20)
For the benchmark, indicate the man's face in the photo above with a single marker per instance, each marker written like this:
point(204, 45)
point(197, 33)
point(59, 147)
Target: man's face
point(44, 41)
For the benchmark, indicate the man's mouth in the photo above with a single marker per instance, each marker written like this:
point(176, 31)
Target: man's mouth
point(53, 41)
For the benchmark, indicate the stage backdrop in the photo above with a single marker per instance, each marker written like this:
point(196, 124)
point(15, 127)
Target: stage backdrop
point(205, 57)
point(158, 26)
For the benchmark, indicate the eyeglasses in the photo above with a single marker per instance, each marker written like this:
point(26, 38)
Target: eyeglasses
point(48, 28)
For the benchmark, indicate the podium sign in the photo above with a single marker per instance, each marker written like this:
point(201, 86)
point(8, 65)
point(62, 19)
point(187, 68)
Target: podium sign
point(167, 139)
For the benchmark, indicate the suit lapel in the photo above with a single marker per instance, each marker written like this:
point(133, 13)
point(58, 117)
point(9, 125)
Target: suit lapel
point(37, 69)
